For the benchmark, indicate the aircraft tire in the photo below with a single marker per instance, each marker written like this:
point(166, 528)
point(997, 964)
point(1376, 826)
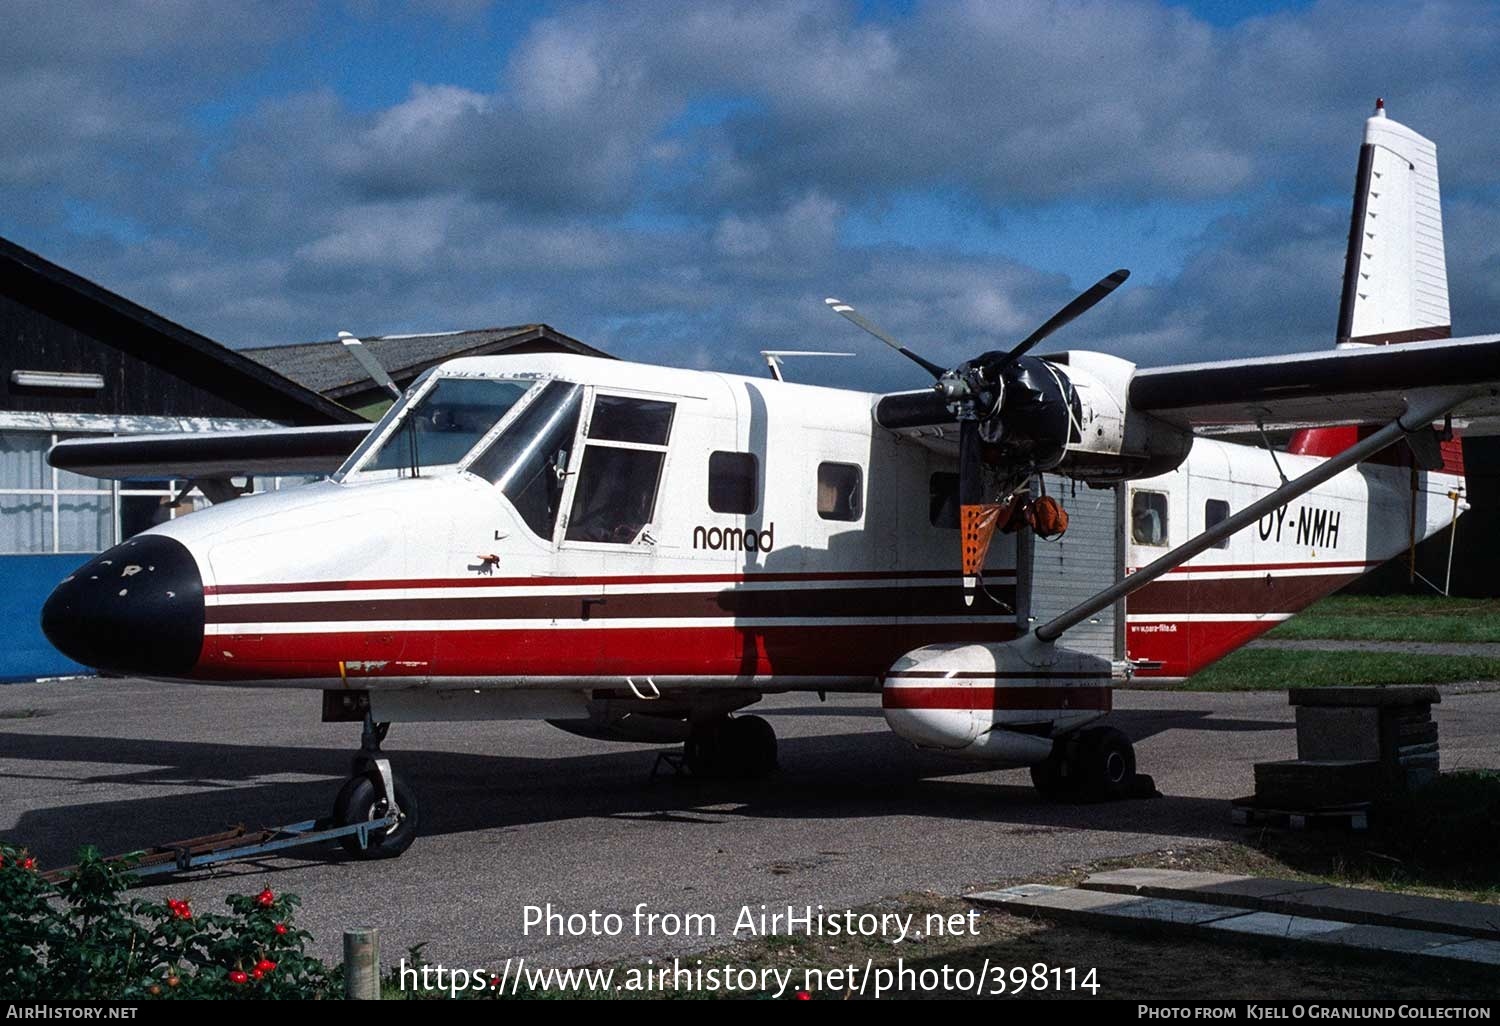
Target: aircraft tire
point(359, 800)
point(742, 746)
point(1105, 765)
point(753, 741)
point(1051, 778)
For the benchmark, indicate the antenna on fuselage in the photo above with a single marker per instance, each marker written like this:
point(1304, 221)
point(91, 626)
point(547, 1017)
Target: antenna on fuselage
point(773, 358)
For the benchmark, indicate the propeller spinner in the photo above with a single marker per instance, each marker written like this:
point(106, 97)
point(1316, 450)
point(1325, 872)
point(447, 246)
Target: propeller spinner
point(1014, 414)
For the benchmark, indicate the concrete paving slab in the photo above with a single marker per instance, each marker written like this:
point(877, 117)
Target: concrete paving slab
point(1388, 938)
point(1389, 908)
point(1010, 894)
point(1071, 903)
point(1483, 952)
point(1214, 888)
point(1275, 924)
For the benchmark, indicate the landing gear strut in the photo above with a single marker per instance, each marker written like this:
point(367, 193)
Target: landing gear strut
point(739, 746)
point(372, 793)
point(1094, 765)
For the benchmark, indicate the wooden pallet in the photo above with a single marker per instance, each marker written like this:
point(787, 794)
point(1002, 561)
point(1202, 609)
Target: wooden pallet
point(1353, 817)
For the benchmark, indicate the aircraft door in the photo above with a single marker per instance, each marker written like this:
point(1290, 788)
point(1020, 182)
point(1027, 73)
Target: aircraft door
point(610, 528)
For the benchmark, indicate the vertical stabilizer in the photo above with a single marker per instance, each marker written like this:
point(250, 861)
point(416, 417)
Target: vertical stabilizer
point(1395, 273)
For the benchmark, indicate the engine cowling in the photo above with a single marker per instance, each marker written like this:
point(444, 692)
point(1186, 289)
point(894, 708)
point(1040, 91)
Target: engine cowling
point(998, 703)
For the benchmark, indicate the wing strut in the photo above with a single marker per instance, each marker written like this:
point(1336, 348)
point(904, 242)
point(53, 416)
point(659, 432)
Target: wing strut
point(1419, 416)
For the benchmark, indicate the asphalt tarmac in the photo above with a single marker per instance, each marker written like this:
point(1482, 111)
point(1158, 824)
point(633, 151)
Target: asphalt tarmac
point(518, 814)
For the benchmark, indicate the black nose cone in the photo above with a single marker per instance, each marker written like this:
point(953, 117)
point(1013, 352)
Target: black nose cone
point(137, 608)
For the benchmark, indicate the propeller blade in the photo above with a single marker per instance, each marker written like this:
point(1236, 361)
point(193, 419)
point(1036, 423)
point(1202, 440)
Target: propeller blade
point(368, 363)
point(851, 315)
point(1103, 287)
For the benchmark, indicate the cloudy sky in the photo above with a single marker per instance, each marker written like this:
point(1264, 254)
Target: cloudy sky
point(684, 183)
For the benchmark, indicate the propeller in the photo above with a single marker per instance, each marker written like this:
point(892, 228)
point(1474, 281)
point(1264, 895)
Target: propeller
point(1016, 405)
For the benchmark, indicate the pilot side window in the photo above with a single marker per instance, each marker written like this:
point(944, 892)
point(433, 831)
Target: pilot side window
point(1148, 518)
point(839, 491)
point(1215, 512)
point(529, 460)
point(732, 482)
point(615, 497)
point(942, 500)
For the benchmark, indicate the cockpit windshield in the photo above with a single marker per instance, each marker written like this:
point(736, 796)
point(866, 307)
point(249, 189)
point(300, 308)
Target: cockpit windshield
point(440, 427)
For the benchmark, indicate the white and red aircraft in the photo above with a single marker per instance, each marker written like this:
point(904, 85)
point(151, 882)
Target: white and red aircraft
point(636, 553)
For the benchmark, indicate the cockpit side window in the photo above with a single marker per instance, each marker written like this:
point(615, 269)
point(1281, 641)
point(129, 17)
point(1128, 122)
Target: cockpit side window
point(439, 429)
point(618, 478)
point(529, 461)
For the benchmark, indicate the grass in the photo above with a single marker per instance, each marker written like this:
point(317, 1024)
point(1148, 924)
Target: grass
point(1269, 669)
point(1395, 618)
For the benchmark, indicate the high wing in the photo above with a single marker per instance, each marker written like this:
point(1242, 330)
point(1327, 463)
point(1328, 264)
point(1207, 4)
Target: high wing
point(1352, 385)
point(278, 451)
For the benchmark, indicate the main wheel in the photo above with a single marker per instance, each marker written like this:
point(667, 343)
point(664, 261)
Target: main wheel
point(744, 746)
point(362, 800)
point(1051, 778)
point(753, 743)
point(1105, 763)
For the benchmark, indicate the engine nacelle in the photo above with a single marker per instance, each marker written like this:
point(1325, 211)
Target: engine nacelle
point(999, 703)
point(1111, 441)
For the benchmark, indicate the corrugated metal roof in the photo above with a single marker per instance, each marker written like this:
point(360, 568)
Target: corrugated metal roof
point(326, 368)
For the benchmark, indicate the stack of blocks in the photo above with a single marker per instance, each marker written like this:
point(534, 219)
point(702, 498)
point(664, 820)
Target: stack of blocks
point(1354, 745)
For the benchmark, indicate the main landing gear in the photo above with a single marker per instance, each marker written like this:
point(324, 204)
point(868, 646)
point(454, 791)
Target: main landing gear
point(374, 795)
point(731, 746)
point(1093, 765)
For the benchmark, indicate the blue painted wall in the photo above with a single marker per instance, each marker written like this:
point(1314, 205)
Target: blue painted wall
point(25, 583)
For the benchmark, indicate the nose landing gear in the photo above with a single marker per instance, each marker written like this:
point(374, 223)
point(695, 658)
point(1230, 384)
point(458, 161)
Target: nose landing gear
point(373, 794)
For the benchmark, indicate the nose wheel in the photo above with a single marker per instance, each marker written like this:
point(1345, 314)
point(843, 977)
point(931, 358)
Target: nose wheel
point(1094, 765)
point(374, 795)
point(731, 747)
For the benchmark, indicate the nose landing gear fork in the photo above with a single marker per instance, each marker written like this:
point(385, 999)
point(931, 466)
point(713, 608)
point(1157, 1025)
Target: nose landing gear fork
point(373, 794)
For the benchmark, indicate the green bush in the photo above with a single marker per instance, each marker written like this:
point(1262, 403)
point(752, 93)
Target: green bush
point(81, 938)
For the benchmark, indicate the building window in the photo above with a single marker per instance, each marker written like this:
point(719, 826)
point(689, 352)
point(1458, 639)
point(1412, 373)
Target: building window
point(46, 510)
point(1148, 518)
point(942, 500)
point(1215, 512)
point(839, 491)
point(732, 482)
point(626, 448)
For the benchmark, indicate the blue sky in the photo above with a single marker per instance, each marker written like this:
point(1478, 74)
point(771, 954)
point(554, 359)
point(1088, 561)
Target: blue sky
point(684, 182)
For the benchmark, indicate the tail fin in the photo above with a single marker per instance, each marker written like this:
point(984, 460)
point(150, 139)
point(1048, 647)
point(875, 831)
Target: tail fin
point(1395, 272)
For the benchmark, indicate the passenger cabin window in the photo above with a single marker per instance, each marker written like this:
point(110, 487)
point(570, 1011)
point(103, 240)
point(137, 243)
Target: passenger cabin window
point(839, 491)
point(529, 461)
point(1215, 512)
point(1148, 518)
point(942, 500)
point(615, 497)
point(732, 482)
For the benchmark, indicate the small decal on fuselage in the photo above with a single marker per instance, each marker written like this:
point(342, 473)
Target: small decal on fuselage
point(735, 539)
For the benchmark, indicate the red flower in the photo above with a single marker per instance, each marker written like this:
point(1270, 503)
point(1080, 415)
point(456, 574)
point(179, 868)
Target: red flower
point(265, 899)
point(238, 977)
point(265, 965)
point(803, 995)
point(281, 929)
point(258, 973)
point(28, 863)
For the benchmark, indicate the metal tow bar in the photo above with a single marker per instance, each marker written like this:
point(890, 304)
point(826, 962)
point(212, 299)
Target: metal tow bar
point(237, 843)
